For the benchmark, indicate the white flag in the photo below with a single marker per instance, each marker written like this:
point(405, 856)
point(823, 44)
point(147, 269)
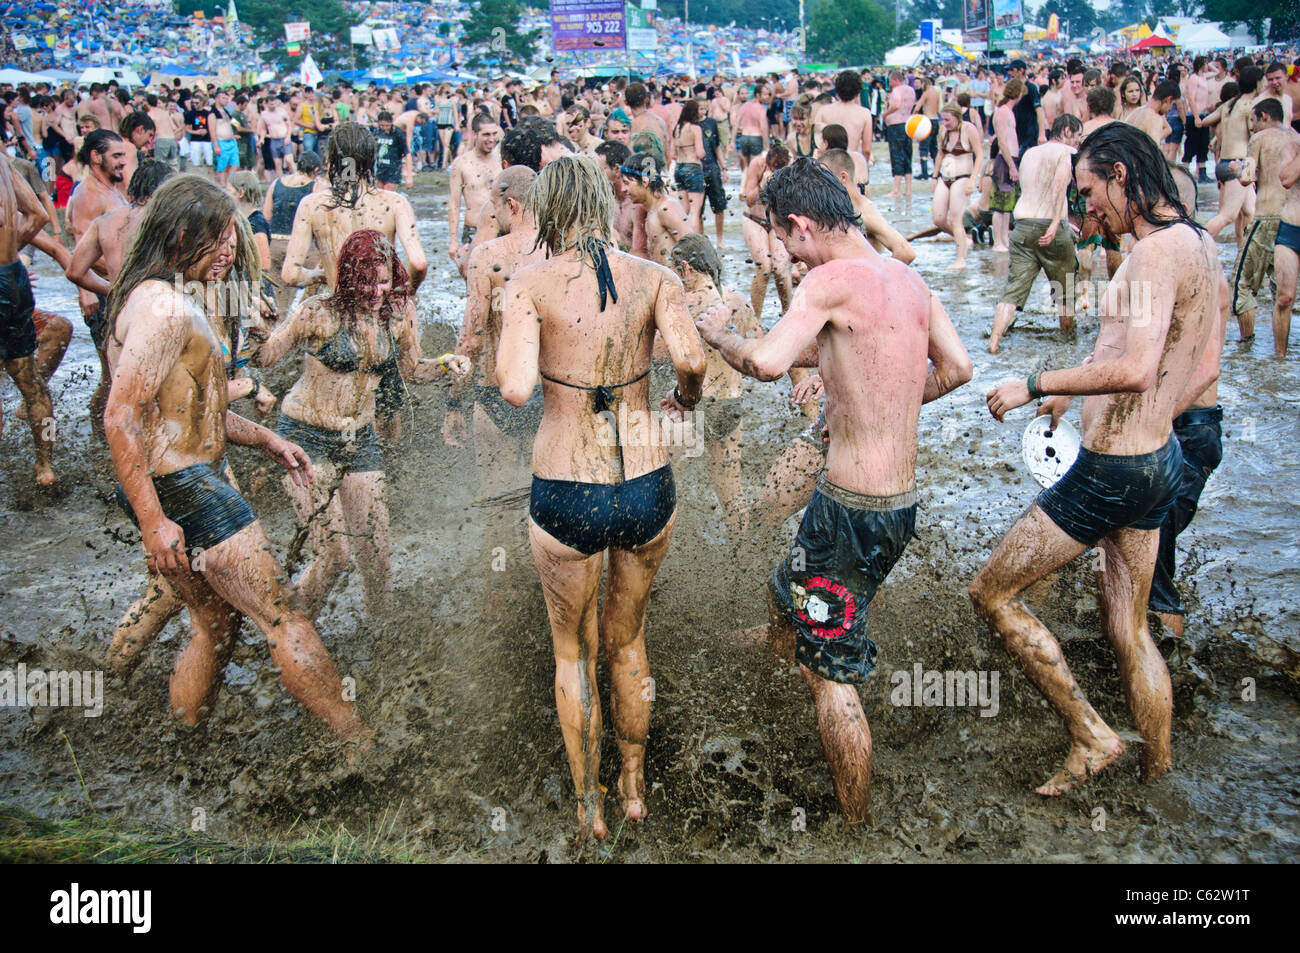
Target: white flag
point(361, 36)
point(309, 73)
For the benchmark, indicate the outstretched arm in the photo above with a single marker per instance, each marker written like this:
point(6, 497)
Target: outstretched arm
point(791, 342)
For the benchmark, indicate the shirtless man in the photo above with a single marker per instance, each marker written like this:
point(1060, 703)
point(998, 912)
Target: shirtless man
point(612, 155)
point(1042, 239)
point(720, 112)
point(1196, 143)
point(901, 100)
point(1127, 475)
point(103, 153)
point(751, 127)
point(1274, 87)
point(1286, 251)
point(665, 218)
point(1054, 99)
point(225, 143)
point(1233, 120)
point(502, 433)
point(167, 129)
point(137, 131)
point(105, 242)
point(927, 105)
point(870, 324)
point(273, 126)
point(590, 491)
point(643, 120)
point(766, 249)
point(1150, 116)
point(882, 235)
point(1263, 170)
point(472, 175)
point(95, 105)
point(168, 426)
point(21, 218)
point(1073, 98)
point(848, 112)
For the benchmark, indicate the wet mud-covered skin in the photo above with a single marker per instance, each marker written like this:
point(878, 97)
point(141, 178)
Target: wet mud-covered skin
point(469, 762)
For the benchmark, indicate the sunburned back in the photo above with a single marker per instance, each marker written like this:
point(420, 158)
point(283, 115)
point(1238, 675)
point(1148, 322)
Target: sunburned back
point(185, 423)
point(1234, 132)
point(873, 359)
point(582, 345)
point(1130, 423)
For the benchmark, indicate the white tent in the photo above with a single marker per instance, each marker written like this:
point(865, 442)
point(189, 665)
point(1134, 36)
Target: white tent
point(16, 76)
point(770, 64)
point(103, 74)
point(904, 56)
point(1201, 38)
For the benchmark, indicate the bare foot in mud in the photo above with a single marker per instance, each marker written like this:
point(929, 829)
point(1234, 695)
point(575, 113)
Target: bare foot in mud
point(45, 475)
point(1081, 764)
point(634, 808)
point(1002, 248)
point(1156, 762)
point(357, 745)
point(594, 800)
point(957, 266)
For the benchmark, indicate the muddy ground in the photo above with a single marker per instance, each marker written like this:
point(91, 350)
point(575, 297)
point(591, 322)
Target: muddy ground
point(458, 681)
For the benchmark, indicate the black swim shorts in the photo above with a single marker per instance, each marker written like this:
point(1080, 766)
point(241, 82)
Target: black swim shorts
point(749, 146)
point(714, 190)
point(17, 332)
point(846, 546)
point(1103, 492)
point(200, 501)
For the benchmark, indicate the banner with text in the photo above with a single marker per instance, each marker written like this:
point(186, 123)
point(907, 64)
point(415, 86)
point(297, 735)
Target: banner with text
point(587, 25)
point(1006, 24)
point(297, 31)
point(975, 25)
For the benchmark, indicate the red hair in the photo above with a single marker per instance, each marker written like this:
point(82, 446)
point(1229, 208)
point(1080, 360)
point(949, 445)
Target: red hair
point(362, 256)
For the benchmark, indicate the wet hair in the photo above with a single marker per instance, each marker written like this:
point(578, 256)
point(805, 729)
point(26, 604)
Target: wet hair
point(480, 120)
point(1167, 90)
point(1091, 76)
point(133, 121)
point(145, 180)
point(1242, 64)
point(361, 257)
point(1269, 108)
point(647, 168)
point(1101, 101)
point(1054, 75)
point(350, 163)
point(1199, 64)
point(698, 252)
point(649, 142)
point(1063, 123)
point(515, 182)
point(838, 160)
point(572, 195)
point(99, 140)
point(835, 136)
point(520, 146)
point(384, 116)
point(954, 109)
point(613, 152)
point(778, 156)
point(1118, 69)
point(1148, 182)
point(308, 162)
point(848, 85)
point(182, 224)
point(806, 187)
point(1075, 68)
point(800, 111)
point(247, 188)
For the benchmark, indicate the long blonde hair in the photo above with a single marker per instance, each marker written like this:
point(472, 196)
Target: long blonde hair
point(572, 195)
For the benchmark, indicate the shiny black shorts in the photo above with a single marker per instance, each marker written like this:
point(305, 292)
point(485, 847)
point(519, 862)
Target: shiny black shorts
point(846, 546)
point(200, 501)
point(1103, 492)
point(690, 177)
point(17, 332)
point(592, 517)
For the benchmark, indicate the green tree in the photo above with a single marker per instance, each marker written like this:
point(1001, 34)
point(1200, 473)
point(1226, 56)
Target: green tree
point(850, 32)
point(1076, 15)
point(495, 24)
point(1232, 13)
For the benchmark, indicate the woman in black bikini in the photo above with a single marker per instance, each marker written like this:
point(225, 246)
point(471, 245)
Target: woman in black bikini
point(362, 333)
point(802, 142)
point(686, 149)
point(960, 154)
point(584, 322)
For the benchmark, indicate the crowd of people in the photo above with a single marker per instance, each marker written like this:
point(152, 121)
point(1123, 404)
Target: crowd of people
point(213, 232)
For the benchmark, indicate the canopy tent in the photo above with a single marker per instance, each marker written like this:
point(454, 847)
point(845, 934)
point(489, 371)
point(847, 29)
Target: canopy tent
point(770, 64)
point(103, 74)
point(1203, 38)
point(904, 56)
point(15, 77)
point(1154, 41)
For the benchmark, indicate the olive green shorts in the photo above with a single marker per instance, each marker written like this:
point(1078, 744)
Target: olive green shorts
point(1028, 258)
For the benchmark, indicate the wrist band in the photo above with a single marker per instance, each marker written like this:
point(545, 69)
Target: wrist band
point(677, 396)
point(1032, 384)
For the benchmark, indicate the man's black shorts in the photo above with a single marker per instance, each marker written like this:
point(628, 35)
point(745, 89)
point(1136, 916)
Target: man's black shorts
point(846, 546)
point(17, 332)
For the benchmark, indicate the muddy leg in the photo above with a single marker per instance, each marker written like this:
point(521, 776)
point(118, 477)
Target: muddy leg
point(570, 583)
point(1128, 560)
point(319, 509)
point(1032, 548)
point(1286, 266)
point(622, 631)
point(141, 625)
point(40, 414)
point(365, 511)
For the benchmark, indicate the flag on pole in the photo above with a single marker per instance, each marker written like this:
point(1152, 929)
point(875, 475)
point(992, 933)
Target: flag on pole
point(309, 73)
point(232, 15)
point(294, 48)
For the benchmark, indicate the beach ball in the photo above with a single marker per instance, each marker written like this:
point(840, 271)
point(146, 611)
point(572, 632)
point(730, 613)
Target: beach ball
point(918, 127)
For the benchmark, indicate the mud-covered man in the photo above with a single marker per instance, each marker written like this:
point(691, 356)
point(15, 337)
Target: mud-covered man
point(885, 346)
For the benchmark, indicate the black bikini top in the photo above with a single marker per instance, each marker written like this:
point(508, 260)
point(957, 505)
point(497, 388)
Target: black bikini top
point(604, 392)
point(340, 354)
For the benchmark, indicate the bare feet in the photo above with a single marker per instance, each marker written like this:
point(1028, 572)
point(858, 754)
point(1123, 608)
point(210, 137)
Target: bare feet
point(995, 341)
point(1001, 248)
point(957, 266)
point(45, 475)
point(634, 808)
point(593, 803)
point(1081, 764)
point(893, 195)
